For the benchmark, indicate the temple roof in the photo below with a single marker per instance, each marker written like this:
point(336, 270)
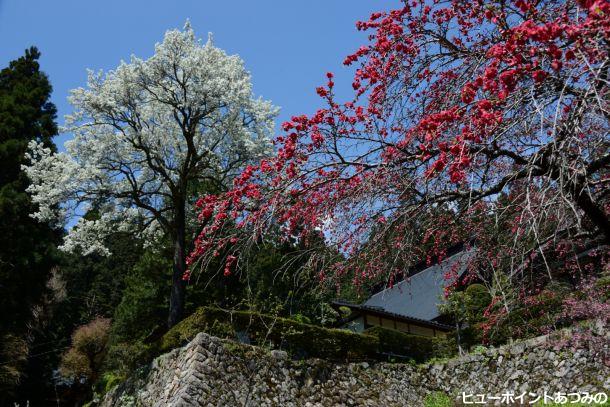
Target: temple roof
point(420, 295)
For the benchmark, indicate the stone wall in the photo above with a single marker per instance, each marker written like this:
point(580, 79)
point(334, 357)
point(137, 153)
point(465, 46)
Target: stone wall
point(211, 371)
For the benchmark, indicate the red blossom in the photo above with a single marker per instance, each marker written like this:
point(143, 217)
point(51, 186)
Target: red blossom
point(444, 114)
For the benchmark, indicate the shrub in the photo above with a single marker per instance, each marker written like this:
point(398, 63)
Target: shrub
point(13, 358)
point(466, 309)
point(109, 380)
point(536, 314)
point(301, 318)
point(304, 340)
point(603, 285)
point(124, 357)
point(84, 358)
point(415, 347)
point(75, 364)
point(477, 299)
point(143, 304)
point(301, 340)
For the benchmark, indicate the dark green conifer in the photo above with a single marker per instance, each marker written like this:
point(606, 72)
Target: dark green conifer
point(27, 248)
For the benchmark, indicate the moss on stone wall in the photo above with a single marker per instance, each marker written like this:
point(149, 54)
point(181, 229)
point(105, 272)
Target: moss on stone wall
point(302, 340)
point(211, 371)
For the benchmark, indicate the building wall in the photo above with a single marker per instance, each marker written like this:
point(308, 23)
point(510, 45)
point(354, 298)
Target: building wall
point(415, 329)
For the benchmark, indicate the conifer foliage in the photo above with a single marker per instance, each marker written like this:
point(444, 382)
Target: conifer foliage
point(27, 247)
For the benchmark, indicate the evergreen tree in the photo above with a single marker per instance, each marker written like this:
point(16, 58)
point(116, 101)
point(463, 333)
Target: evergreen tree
point(27, 247)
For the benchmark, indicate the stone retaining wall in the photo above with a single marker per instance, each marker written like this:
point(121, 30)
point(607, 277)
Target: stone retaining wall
point(211, 371)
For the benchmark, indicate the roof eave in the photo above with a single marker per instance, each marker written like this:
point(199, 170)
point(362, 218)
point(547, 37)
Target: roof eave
point(379, 312)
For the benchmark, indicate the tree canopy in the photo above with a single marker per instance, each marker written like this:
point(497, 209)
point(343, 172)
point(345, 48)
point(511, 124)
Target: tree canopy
point(484, 119)
point(144, 134)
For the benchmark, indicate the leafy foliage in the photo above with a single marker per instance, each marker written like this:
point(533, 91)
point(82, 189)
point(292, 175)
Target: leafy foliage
point(304, 340)
point(144, 299)
point(82, 361)
point(27, 248)
point(466, 309)
point(483, 119)
point(14, 352)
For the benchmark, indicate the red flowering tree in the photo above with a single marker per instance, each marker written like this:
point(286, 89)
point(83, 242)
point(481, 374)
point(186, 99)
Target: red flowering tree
point(484, 119)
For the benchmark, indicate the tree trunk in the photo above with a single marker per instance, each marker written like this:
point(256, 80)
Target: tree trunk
point(459, 337)
point(575, 185)
point(178, 294)
point(594, 212)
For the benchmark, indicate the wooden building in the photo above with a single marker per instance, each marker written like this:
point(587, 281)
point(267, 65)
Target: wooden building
point(412, 304)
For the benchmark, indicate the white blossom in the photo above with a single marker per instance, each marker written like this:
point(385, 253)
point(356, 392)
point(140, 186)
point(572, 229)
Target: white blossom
point(143, 133)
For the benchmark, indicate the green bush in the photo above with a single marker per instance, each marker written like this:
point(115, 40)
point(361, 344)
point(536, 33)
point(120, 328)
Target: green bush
point(465, 309)
point(477, 299)
point(301, 340)
point(109, 380)
point(603, 284)
point(301, 318)
point(304, 340)
point(124, 357)
point(143, 304)
point(418, 348)
point(541, 313)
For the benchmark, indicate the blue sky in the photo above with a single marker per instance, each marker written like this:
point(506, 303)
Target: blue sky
point(288, 46)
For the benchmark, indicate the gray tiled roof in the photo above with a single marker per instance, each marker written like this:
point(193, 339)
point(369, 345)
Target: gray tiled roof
point(420, 295)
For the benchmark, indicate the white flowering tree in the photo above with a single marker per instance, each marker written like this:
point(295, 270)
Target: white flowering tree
point(144, 133)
